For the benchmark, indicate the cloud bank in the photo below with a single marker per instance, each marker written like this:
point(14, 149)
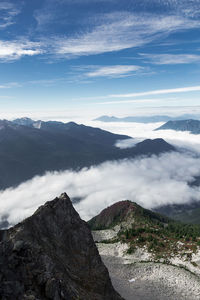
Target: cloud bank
point(148, 181)
point(141, 131)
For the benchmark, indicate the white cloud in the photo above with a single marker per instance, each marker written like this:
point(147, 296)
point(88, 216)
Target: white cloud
point(9, 85)
point(154, 92)
point(8, 11)
point(113, 71)
point(13, 50)
point(141, 131)
point(170, 59)
point(119, 31)
point(148, 181)
point(128, 143)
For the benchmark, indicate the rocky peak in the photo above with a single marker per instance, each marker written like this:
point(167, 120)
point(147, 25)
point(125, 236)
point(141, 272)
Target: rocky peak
point(124, 211)
point(113, 215)
point(51, 255)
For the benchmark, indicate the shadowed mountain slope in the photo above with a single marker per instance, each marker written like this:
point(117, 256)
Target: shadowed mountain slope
point(193, 126)
point(52, 255)
point(26, 151)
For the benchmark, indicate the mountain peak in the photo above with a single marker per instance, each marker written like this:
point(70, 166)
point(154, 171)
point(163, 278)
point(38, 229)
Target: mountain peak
point(55, 255)
point(23, 121)
point(120, 212)
point(193, 126)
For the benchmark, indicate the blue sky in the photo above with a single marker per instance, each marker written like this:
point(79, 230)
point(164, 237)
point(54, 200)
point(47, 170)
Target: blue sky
point(92, 57)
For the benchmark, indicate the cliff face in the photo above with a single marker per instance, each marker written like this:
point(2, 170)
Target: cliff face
point(51, 255)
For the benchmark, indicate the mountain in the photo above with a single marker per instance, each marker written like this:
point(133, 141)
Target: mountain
point(26, 151)
point(139, 227)
point(149, 256)
point(187, 213)
point(125, 211)
point(139, 119)
point(52, 255)
point(24, 121)
point(193, 126)
point(146, 119)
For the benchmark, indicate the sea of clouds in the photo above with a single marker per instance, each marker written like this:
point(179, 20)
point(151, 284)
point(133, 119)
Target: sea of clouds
point(149, 181)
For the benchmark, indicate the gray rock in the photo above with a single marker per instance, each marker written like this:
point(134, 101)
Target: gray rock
point(52, 255)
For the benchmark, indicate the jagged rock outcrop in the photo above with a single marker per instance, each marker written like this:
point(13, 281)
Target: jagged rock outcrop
point(52, 255)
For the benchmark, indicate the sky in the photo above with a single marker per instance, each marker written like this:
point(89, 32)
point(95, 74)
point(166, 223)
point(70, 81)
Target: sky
point(80, 58)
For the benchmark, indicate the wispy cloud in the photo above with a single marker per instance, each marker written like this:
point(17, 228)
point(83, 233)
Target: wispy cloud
point(171, 59)
point(156, 92)
point(113, 71)
point(10, 85)
point(8, 11)
point(137, 101)
point(111, 30)
point(119, 31)
point(13, 50)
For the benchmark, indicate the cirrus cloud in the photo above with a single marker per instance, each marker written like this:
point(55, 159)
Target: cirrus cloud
point(171, 59)
point(113, 71)
point(118, 31)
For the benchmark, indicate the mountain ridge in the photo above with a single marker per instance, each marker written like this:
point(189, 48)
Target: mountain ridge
point(193, 126)
point(57, 146)
point(146, 119)
point(139, 227)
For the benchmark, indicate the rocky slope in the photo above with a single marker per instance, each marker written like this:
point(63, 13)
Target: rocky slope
point(51, 255)
point(147, 254)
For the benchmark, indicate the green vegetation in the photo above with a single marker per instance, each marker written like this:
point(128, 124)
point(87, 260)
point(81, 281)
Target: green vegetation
point(162, 239)
point(139, 227)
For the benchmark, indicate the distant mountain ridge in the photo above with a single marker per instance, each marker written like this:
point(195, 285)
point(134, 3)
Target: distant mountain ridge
point(146, 119)
point(193, 126)
point(29, 150)
point(188, 213)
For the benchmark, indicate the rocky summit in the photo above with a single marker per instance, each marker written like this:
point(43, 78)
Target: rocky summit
point(51, 255)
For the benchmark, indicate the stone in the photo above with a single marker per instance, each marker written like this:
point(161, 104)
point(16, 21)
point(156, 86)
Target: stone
point(52, 255)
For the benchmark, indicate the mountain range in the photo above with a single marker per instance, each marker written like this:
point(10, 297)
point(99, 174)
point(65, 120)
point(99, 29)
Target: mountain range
point(193, 126)
point(146, 119)
point(29, 148)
